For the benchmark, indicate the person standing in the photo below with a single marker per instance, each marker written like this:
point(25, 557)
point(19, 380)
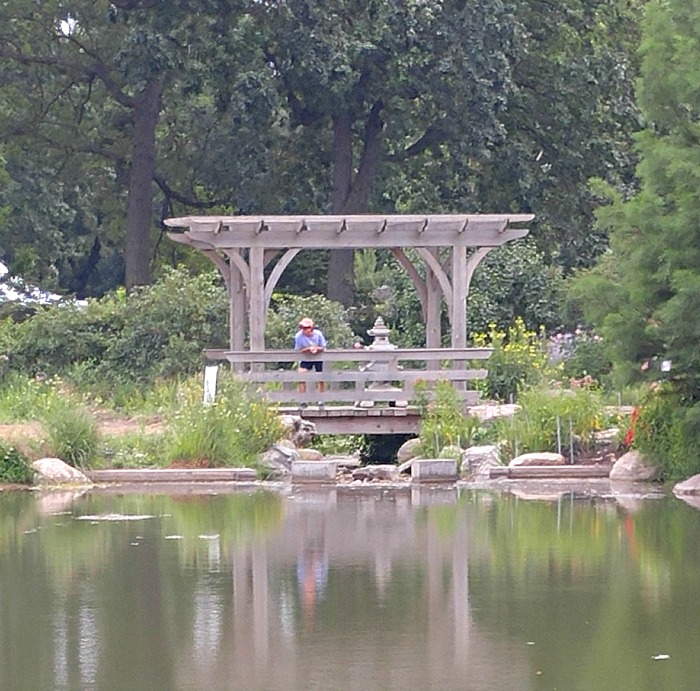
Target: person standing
point(310, 340)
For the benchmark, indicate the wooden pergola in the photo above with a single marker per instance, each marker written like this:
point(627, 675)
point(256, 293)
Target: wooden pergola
point(243, 247)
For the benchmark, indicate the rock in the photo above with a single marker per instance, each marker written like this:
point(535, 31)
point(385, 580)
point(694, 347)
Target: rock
point(310, 455)
point(688, 487)
point(408, 450)
point(486, 412)
point(475, 459)
point(298, 430)
point(388, 473)
point(405, 467)
point(538, 458)
point(279, 459)
point(633, 468)
point(54, 471)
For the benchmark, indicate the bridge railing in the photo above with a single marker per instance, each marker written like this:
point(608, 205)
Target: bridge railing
point(360, 377)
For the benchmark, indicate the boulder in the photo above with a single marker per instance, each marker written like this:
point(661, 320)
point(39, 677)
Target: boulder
point(478, 459)
point(53, 471)
point(279, 458)
point(486, 412)
point(408, 450)
point(633, 468)
point(310, 455)
point(301, 432)
point(387, 473)
point(537, 458)
point(688, 487)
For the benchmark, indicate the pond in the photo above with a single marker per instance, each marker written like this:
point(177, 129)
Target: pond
point(339, 589)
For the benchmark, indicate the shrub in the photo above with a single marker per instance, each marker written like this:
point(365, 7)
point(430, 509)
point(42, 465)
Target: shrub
point(14, 466)
point(158, 330)
point(583, 354)
point(520, 358)
point(668, 433)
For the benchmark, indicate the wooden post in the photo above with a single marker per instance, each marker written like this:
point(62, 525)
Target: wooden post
point(460, 290)
point(256, 316)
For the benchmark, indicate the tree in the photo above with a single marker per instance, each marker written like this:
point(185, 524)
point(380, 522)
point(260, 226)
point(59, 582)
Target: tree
point(656, 233)
point(371, 83)
point(94, 80)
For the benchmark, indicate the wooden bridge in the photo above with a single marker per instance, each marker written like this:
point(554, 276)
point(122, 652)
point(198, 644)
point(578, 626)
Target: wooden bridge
point(366, 391)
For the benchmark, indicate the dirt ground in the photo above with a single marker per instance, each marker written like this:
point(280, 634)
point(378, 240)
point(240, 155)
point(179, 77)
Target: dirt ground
point(108, 426)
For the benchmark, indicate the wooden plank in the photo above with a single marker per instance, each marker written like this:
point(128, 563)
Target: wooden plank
point(351, 355)
point(359, 239)
point(376, 395)
point(550, 471)
point(352, 376)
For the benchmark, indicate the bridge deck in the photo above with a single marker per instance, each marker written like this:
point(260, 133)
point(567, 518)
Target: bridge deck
point(355, 420)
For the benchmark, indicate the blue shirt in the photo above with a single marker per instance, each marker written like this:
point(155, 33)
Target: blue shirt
point(315, 338)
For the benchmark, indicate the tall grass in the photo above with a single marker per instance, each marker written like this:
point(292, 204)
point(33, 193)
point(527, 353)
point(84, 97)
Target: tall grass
point(232, 431)
point(553, 420)
point(71, 432)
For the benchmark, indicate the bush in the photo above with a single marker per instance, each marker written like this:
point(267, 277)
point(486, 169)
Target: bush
point(520, 358)
point(668, 433)
point(582, 354)
point(14, 466)
point(156, 331)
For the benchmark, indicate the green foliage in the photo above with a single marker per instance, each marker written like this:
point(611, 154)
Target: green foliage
point(520, 358)
point(286, 311)
point(14, 466)
point(444, 423)
point(231, 431)
point(71, 432)
point(667, 433)
point(584, 354)
point(156, 331)
point(550, 420)
point(515, 282)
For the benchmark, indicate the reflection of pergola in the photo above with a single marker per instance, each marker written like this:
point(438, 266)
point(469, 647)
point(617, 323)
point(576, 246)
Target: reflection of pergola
point(242, 247)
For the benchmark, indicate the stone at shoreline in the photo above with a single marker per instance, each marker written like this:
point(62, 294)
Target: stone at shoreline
point(54, 471)
point(279, 458)
point(634, 468)
point(310, 455)
point(537, 458)
point(408, 450)
point(688, 487)
point(298, 430)
point(476, 460)
point(386, 472)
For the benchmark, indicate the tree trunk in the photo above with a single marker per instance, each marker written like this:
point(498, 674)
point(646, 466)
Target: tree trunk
point(341, 276)
point(137, 251)
point(351, 195)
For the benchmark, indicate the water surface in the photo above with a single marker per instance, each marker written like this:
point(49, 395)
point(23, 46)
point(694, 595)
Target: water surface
point(413, 589)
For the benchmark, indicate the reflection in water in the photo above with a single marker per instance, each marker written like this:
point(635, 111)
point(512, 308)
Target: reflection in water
point(418, 589)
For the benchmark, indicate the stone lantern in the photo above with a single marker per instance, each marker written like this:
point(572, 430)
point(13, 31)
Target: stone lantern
point(380, 335)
